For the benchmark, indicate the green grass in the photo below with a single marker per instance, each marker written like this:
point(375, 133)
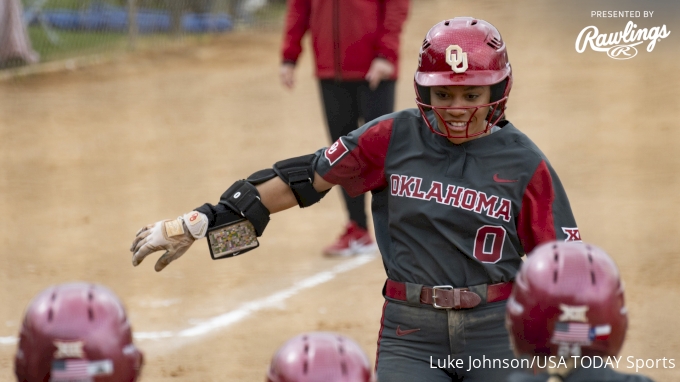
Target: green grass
point(271, 14)
point(79, 43)
point(62, 4)
point(72, 44)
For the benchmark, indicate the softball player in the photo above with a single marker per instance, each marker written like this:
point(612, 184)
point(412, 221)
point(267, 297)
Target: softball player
point(459, 196)
point(568, 303)
point(76, 332)
point(320, 356)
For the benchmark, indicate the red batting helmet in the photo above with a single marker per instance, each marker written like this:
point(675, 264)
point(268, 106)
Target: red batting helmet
point(320, 357)
point(567, 300)
point(76, 331)
point(464, 51)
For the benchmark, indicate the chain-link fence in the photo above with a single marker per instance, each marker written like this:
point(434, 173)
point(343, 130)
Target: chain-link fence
point(60, 29)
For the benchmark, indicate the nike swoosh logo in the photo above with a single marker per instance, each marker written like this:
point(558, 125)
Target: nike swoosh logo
point(405, 332)
point(500, 180)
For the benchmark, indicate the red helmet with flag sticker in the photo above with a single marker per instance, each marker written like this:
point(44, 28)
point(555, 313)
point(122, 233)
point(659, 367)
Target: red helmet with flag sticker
point(567, 300)
point(320, 357)
point(464, 51)
point(74, 332)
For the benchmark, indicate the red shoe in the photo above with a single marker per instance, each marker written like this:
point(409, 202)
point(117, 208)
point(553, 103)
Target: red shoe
point(354, 241)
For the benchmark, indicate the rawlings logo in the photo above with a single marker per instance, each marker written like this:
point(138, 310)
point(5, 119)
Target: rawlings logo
point(620, 45)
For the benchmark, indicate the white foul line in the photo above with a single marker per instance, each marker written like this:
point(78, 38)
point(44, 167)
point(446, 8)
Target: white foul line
point(248, 308)
point(8, 340)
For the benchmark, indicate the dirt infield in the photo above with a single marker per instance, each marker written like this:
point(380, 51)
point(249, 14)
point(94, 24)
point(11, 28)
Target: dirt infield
point(89, 156)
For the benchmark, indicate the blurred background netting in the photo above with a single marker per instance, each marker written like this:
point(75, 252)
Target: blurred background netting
point(63, 29)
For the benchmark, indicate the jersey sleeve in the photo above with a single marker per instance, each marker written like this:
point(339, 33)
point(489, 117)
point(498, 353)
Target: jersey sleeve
point(545, 214)
point(395, 13)
point(297, 23)
point(357, 161)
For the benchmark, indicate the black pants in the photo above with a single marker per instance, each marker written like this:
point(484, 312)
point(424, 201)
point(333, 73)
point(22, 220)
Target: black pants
point(345, 104)
point(443, 345)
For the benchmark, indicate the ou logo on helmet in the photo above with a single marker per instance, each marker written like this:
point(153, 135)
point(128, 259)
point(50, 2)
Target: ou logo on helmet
point(456, 58)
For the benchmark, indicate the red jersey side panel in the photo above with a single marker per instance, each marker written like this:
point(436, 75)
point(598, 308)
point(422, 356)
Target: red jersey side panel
point(535, 223)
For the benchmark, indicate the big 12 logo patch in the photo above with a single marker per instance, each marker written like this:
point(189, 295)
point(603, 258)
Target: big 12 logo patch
point(573, 234)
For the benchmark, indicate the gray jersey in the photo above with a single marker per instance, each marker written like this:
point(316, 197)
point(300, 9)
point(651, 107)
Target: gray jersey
point(582, 375)
point(450, 214)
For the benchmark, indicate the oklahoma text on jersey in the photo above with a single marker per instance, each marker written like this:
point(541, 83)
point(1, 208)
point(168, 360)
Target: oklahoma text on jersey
point(456, 196)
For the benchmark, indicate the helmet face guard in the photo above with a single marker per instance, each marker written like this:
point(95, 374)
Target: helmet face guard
point(567, 301)
point(76, 326)
point(494, 115)
point(463, 52)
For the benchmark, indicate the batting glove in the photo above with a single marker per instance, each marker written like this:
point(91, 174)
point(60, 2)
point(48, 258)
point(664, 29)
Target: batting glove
point(173, 236)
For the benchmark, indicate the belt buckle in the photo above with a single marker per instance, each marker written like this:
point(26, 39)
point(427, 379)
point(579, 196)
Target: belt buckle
point(434, 295)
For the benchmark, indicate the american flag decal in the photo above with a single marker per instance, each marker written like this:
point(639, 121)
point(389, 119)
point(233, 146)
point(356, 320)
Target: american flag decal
point(571, 332)
point(70, 370)
point(79, 370)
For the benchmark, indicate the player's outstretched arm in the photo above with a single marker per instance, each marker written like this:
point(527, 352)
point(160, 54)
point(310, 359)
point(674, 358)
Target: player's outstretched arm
point(277, 195)
point(253, 200)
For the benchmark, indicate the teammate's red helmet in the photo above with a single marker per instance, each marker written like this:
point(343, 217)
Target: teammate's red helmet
point(76, 331)
point(319, 357)
point(464, 51)
point(567, 300)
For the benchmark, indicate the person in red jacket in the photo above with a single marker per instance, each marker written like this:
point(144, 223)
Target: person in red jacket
point(356, 50)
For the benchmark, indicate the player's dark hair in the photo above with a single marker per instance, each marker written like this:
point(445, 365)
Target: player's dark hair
point(497, 90)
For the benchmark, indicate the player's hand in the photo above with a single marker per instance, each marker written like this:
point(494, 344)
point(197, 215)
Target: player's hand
point(287, 75)
point(380, 69)
point(173, 236)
